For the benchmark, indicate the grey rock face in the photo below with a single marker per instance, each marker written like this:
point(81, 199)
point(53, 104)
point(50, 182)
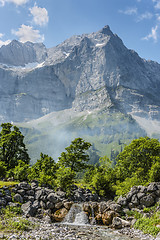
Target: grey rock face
point(19, 54)
point(85, 72)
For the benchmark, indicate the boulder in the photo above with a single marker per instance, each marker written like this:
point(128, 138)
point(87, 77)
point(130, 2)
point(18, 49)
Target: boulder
point(60, 214)
point(122, 201)
point(147, 200)
point(118, 223)
point(108, 216)
point(115, 207)
point(68, 205)
point(18, 198)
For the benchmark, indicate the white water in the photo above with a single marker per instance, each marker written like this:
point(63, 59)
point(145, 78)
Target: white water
point(76, 216)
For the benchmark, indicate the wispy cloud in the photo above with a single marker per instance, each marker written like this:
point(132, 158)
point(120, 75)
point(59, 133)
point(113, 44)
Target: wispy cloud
point(129, 11)
point(157, 4)
point(27, 33)
point(153, 35)
point(146, 15)
point(16, 2)
point(40, 15)
point(3, 42)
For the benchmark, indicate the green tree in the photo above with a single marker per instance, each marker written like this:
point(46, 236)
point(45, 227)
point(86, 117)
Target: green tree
point(20, 171)
point(75, 156)
point(65, 178)
point(12, 147)
point(2, 169)
point(142, 154)
point(44, 170)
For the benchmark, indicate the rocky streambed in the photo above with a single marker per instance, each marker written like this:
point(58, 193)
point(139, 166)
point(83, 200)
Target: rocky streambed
point(81, 216)
point(45, 230)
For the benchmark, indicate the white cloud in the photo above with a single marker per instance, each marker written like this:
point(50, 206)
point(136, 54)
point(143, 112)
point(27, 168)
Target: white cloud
point(27, 33)
point(153, 35)
point(3, 42)
point(1, 35)
point(157, 4)
point(40, 15)
point(146, 15)
point(16, 2)
point(129, 11)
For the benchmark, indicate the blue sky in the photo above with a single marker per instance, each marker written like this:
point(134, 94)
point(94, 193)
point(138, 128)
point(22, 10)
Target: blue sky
point(136, 22)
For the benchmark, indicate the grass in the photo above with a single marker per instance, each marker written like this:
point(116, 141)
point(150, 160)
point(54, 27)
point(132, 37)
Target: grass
point(3, 183)
point(147, 224)
point(12, 221)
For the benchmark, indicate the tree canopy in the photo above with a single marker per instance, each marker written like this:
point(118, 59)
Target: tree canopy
point(139, 157)
point(12, 147)
point(75, 156)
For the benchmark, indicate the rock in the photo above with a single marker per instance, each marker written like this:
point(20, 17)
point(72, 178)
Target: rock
point(50, 205)
point(39, 194)
point(60, 214)
point(3, 202)
point(30, 192)
point(103, 206)
point(52, 198)
point(107, 217)
point(140, 195)
point(30, 209)
point(115, 207)
point(68, 205)
point(34, 184)
point(134, 200)
point(122, 201)
point(24, 185)
point(21, 192)
point(87, 208)
point(98, 218)
point(118, 223)
point(152, 187)
point(18, 198)
point(59, 205)
point(147, 200)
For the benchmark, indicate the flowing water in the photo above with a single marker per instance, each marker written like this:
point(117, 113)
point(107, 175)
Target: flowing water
point(77, 222)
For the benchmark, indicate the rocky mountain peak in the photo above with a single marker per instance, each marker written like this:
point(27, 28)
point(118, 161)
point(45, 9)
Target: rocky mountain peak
point(106, 30)
point(18, 54)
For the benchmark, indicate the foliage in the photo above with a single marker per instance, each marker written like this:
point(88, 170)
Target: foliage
point(43, 170)
point(21, 171)
point(65, 178)
point(3, 169)
point(148, 225)
point(12, 221)
point(75, 157)
point(101, 177)
point(12, 147)
point(140, 155)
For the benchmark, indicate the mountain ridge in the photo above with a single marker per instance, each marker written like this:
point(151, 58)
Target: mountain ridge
point(89, 75)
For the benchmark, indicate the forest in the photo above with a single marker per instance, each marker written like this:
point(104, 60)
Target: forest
point(137, 164)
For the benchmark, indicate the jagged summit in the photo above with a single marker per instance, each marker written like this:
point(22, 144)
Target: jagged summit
point(84, 73)
point(18, 54)
point(106, 30)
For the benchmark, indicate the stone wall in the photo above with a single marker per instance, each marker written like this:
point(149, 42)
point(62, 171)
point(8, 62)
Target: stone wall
point(38, 202)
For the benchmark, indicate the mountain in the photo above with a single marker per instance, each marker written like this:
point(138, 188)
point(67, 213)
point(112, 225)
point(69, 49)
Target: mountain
point(82, 83)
